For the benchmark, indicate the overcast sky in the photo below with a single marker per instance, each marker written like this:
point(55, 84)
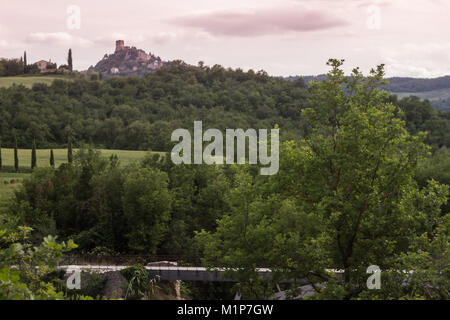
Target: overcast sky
point(283, 37)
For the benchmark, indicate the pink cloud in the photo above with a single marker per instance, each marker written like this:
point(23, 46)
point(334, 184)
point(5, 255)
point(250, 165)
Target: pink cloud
point(261, 22)
point(57, 38)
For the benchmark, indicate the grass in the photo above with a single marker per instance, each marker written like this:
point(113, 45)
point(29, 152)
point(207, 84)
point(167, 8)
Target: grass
point(6, 187)
point(28, 81)
point(43, 156)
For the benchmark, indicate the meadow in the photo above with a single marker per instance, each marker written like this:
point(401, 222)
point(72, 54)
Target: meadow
point(9, 182)
point(28, 81)
point(43, 156)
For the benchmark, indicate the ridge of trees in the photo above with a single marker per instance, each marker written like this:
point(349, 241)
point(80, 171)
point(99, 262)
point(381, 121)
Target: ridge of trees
point(140, 113)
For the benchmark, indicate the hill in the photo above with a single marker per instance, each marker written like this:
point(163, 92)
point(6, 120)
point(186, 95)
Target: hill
point(436, 90)
point(128, 61)
point(140, 113)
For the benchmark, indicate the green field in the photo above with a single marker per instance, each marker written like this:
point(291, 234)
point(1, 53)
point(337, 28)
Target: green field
point(9, 182)
point(28, 81)
point(43, 156)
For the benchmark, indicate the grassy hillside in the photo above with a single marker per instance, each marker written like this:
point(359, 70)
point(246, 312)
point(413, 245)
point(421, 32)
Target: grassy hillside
point(43, 156)
point(28, 81)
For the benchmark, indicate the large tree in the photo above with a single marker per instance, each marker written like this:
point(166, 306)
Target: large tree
point(146, 202)
point(345, 197)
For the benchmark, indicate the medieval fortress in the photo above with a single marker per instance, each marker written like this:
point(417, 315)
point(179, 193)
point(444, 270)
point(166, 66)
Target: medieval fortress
point(128, 60)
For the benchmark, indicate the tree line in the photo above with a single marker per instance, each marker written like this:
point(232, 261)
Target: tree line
point(140, 113)
point(34, 157)
point(16, 67)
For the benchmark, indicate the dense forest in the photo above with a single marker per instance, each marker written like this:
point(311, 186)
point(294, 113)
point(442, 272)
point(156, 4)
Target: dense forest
point(360, 182)
point(140, 113)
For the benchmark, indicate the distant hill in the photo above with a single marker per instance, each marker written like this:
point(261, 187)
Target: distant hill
point(128, 61)
point(437, 90)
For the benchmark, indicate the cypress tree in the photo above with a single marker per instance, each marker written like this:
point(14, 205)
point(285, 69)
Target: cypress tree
point(69, 151)
point(1, 155)
point(16, 156)
point(25, 62)
point(33, 155)
point(69, 60)
point(52, 159)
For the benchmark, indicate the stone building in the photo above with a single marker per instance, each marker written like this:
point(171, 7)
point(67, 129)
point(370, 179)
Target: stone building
point(120, 45)
point(46, 66)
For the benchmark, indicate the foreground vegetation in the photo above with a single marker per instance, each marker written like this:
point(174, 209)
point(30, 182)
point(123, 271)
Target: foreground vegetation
point(358, 185)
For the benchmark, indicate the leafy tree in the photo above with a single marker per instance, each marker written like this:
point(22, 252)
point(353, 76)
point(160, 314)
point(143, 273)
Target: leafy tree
point(1, 164)
point(146, 203)
point(344, 198)
point(11, 67)
point(420, 116)
point(25, 281)
point(428, 257)
point(436, 167)
point(198, 200)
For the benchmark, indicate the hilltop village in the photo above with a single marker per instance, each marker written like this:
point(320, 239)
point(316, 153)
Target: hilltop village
point(126, 61)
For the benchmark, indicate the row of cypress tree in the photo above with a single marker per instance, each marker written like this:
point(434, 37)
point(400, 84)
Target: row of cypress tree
point(34, 157)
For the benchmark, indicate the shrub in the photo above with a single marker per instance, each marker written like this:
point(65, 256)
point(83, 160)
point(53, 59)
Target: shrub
point(139, 285)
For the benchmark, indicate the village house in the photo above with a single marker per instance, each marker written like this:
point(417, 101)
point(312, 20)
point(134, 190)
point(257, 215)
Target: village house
point(46, 66)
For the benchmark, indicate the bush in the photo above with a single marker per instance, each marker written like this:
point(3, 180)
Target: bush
point(139, 285)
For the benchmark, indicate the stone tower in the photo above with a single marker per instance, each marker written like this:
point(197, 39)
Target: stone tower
point(120, 45)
